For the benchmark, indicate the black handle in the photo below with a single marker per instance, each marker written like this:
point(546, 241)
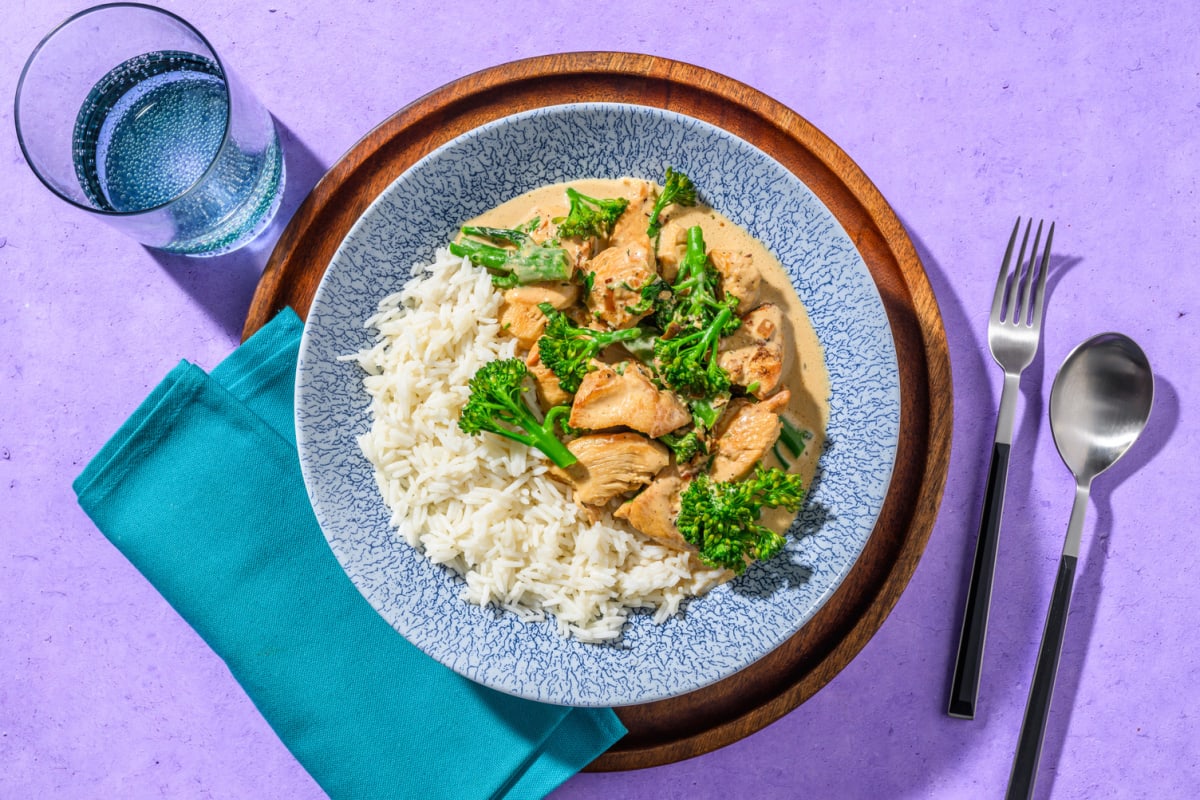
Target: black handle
point(964, 688)
point(1037, 711)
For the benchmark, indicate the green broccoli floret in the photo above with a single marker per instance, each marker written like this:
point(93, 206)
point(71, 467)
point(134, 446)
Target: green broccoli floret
point(721, 518)
point(678, 189)
point(686, 446)
point(590, 216)
point(496, 405)
point(525, 262)
point(567, 349)
point(695, 289)
point(687, 361)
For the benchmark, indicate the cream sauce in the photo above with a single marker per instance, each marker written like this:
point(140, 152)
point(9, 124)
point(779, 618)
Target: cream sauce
point(804, 374)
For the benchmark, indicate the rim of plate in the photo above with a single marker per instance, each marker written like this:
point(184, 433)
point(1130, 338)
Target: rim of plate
point(506, 630)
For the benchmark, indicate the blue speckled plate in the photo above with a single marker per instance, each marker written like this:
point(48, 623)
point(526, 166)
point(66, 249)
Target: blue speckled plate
point(735, 624)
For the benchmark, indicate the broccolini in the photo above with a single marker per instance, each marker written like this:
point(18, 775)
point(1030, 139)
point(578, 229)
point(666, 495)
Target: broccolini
point(525, 261)
point(694, 291)
point(687, 360)
point(497, 405)
point(590, 216)
point(685, 446)
point(721, 518)
point(678, 189)
point(567, 349)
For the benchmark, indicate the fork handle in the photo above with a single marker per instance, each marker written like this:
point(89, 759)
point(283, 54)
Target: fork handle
point(1037, 710)
point(964, 688)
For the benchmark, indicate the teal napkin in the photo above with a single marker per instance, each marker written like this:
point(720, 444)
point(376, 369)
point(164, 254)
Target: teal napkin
point(201, 490)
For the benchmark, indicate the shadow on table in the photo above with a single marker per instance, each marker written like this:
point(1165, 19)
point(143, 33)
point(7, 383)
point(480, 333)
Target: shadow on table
point(224, 285)
point(1081, 622)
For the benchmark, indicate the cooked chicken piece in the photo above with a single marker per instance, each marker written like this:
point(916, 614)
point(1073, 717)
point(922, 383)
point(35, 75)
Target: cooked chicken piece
point(672, 244)
point(739, 276)
point(549, 393)
point(622, 395)
point(610, 465)
point(522, 321)
point(619, 274)
point(654, 509)
point(579, 251)
point(630, 227)
point(560, 294)
point(744, 434)
point(755, 352)
point(520, 316)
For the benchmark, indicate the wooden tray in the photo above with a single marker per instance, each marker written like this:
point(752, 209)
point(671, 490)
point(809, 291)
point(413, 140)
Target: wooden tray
point(695, 723)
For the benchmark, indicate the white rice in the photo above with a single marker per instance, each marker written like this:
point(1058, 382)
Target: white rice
point(484, 505)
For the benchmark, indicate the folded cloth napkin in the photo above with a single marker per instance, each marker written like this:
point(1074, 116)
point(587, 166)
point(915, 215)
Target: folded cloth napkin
point(201, 490)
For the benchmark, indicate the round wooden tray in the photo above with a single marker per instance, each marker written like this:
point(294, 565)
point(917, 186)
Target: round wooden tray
point(695, 723)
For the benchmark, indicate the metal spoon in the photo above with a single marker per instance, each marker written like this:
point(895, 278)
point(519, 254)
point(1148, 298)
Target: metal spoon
point(1098, 407)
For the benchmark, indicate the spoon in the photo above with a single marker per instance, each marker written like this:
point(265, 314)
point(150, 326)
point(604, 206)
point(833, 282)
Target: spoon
point(1099, 406)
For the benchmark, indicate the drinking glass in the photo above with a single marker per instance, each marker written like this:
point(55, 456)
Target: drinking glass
point(126, 111)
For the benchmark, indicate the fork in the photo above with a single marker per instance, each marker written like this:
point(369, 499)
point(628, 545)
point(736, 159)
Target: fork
point(1013, 336)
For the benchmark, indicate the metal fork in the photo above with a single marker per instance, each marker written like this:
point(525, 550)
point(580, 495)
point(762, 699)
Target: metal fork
point(1013, 336)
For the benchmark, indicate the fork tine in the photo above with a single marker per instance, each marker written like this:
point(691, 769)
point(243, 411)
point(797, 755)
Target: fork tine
point(1002, 281)
point(1040, 296)
point(1027, 282)
point(1010, 306)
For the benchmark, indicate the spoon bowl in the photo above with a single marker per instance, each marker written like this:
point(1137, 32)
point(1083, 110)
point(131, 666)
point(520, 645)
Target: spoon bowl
point(1100, 403)
point(1099, 406)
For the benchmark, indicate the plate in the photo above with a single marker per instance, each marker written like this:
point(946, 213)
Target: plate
point(738, 622)
point(687, 725)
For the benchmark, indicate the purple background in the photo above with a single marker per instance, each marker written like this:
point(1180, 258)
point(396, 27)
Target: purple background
point(964, 117)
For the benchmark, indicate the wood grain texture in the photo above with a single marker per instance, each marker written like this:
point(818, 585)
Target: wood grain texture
point(695, 723)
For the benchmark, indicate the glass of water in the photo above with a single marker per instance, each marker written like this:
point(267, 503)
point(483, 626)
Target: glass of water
point(126, 111)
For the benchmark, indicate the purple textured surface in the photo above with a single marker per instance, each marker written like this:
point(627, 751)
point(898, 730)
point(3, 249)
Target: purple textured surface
point(1086, 112)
